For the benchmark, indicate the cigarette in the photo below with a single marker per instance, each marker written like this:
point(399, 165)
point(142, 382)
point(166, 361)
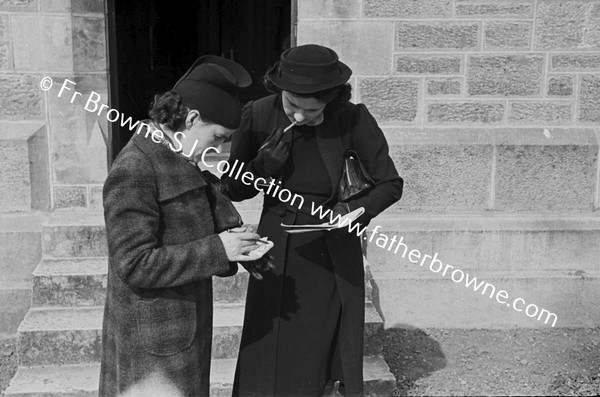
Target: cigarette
point(285, 130)
point(290, 126)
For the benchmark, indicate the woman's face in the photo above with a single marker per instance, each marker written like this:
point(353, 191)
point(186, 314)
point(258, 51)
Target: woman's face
point(310, 109)
point(200, 135)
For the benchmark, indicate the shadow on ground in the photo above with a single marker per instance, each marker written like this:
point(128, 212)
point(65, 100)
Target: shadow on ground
point(411, 354)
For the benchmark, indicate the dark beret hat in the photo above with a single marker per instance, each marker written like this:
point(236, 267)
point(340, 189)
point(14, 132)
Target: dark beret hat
point(211, 86)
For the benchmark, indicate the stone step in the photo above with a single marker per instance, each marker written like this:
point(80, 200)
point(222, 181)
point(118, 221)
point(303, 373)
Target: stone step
point(50, 336)
point(70, 282)
point(82, 380)
point(21, 251)
point(517, 242)
point(68, 235)
point(424, 299)
point(231, 289)
point(82, 282)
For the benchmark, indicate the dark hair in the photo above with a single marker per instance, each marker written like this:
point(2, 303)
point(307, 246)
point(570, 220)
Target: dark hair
point(167, 109)
point(333, 97)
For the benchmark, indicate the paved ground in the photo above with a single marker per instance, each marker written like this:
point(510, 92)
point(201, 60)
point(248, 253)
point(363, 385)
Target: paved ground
point(473, 362)
point(493, 362)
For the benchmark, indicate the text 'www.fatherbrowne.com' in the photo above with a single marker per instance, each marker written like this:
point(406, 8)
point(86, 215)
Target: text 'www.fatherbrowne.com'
point(395, 245)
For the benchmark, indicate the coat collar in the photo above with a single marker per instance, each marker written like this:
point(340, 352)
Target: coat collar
point(174, 173)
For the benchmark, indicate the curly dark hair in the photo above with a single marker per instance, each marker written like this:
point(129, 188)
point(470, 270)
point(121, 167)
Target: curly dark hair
point(333, 97)
point(167, 109)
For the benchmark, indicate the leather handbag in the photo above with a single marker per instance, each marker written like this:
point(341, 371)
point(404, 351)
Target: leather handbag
point(355, 180)
point(224, 214)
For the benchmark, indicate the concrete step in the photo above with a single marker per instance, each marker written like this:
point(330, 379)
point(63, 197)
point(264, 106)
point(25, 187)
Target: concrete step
point(424, 299)
point(82, 380)
point(68, 235)
point(70, 282)
point(49, 336)
point(490, 242)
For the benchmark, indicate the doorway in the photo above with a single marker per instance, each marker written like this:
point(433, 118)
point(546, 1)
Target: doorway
point(152, 43)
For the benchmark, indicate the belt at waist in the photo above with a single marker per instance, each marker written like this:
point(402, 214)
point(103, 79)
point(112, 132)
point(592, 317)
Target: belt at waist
point(305, 207)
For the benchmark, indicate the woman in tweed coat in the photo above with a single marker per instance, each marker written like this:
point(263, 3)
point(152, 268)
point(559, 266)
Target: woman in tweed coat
point(163, 250)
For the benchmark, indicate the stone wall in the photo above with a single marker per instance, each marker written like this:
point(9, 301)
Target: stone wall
point(52, 38)
point(53, 155)
point(491, 110)
point(492, 75)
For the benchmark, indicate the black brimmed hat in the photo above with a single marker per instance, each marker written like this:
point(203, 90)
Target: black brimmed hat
point(211, 86)
point(309, 68)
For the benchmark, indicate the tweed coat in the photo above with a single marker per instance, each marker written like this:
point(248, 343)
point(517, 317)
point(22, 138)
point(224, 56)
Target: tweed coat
point(162, 254)
point(350, 127)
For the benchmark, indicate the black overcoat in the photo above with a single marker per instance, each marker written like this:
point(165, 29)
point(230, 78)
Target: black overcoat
point(162, 254)
point(349, 127)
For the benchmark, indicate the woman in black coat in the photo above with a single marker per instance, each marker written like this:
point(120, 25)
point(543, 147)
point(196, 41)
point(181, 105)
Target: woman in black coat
point(303, 325)
point(162, 245)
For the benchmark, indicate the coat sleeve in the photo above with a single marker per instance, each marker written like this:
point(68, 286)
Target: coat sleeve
point(372, 148)
point(244, 147)
point(132, 217)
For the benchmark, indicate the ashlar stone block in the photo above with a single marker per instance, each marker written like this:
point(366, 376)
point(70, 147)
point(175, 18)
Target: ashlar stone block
point(58, 46)
point(465, 112)
point(569, 24)
point(79, 149)
point(19, 5)
point(431, 185)
point(70, 197)
point(507, 35)
point(317, 9)
point(589, 98)
point(89, 44)
point(363, 45)
point(88, 6)
point(428, 64)
point(494, 9)
point(535, 173)
point(15, 186)
point(510, 75)
point(4, 27)
point(391, 99)
point(21, 98)
point(443, 86)
point(62, 6)
point(436, 35)
point(575, 62)
point(95, 195)
point(407, 8)
point(540, 112)
point(560, 86)
point(42, 42)
point(5, 58)
point(28, 41)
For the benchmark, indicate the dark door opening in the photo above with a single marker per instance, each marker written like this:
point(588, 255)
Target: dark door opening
point(152, 43)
